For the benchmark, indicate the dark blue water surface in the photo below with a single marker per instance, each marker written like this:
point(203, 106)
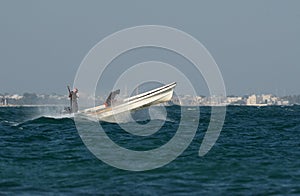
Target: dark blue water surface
point(258, 152)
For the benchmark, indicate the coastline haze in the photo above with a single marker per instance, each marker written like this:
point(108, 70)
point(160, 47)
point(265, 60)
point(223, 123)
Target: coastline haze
point(255, 44)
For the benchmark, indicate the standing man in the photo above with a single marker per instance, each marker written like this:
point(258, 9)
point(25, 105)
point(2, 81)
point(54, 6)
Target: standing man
point(73, 99)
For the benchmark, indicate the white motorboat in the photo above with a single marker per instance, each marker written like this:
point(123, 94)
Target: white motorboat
point(109, 109)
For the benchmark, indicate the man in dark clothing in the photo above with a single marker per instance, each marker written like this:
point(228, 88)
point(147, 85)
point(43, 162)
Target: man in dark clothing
point(73, 96)
point(111, 98)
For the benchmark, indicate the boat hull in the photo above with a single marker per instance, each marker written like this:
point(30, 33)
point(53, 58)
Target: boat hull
point(153, 97)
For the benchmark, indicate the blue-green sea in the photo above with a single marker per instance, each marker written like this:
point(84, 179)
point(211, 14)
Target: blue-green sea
point(257, 153)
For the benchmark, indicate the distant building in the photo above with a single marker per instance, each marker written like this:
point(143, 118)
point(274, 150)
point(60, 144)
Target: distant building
point(285, 102)
point(251, 100)
point(16, 96)
point(233, 100)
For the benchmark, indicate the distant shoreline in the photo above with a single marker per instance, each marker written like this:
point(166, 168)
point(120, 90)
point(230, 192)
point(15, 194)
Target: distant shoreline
point(45, 105)
point(230, 105)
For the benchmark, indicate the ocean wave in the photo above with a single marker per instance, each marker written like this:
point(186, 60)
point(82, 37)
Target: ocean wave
point(45, 120)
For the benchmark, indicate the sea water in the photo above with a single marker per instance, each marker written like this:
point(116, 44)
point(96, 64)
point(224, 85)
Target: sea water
point(257, 152)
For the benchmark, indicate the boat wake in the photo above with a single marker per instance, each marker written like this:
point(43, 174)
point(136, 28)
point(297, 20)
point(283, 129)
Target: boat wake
point(45, 120)
point(59, 116)
point(141, 117)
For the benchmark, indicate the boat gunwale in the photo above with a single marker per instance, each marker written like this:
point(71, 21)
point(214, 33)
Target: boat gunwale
point(136, 98)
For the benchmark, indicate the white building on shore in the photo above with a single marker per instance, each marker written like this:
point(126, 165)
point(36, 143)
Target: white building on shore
point(251, 100)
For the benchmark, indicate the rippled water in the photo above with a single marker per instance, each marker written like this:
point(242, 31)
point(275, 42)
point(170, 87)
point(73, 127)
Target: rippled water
point(257, 152)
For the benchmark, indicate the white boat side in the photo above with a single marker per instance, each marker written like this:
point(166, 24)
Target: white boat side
point(171, 85)
point(155, 96)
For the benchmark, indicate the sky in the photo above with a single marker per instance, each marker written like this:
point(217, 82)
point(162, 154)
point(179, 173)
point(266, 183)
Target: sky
point(256, 44)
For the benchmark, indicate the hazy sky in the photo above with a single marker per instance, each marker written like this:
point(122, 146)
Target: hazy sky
point(256, 44)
